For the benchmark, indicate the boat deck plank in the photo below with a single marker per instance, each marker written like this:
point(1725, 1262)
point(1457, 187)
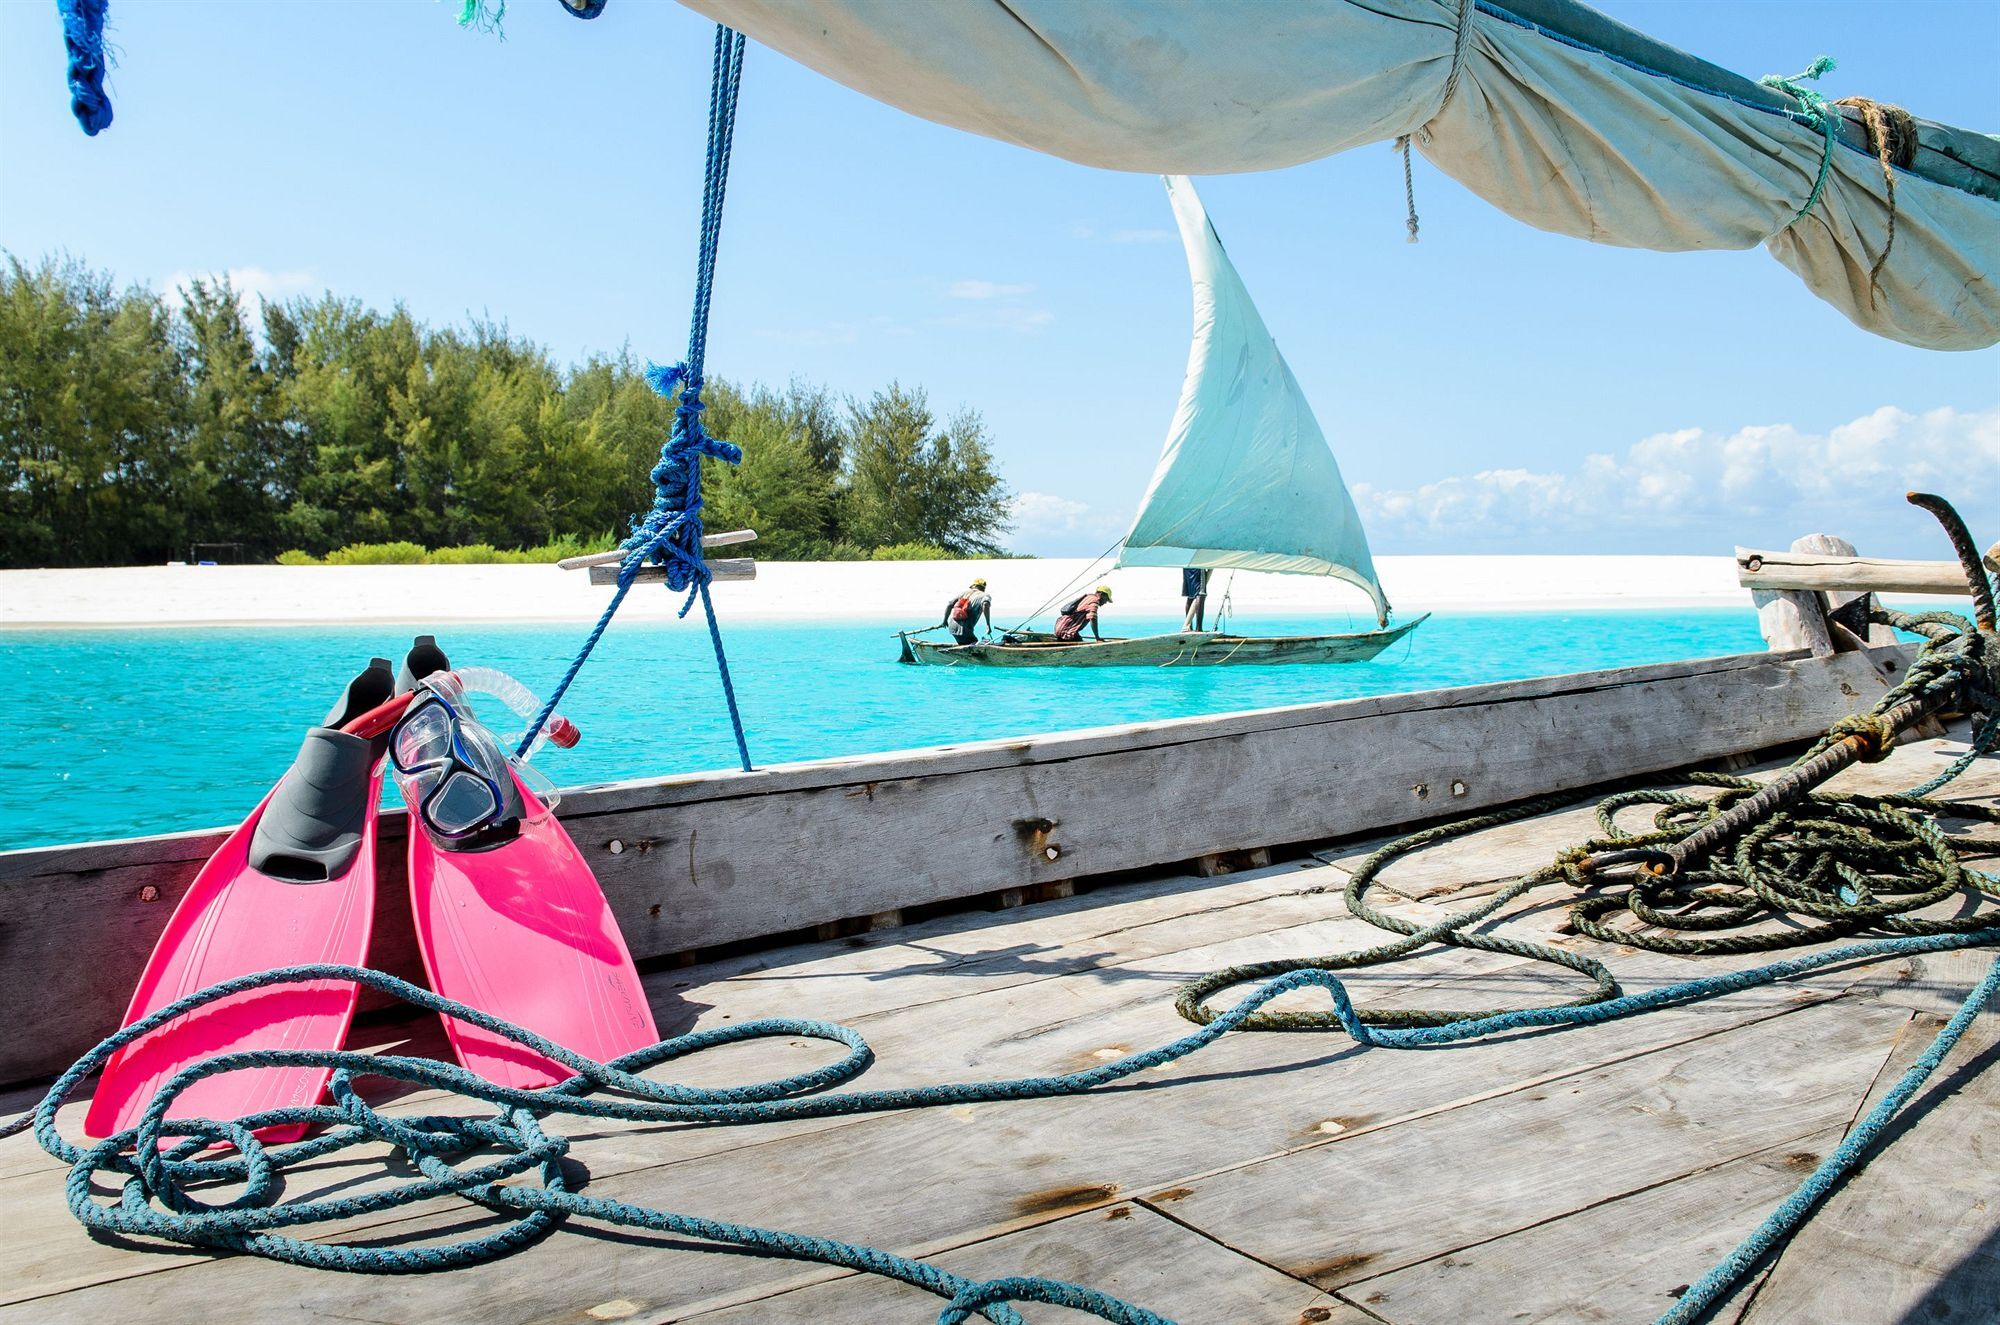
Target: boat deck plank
point(1584, 1175)
point(1915, 1236)
point(1124, 1249)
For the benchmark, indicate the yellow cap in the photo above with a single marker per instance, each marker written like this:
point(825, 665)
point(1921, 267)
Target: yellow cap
point(979, 584)
point(1104, 592)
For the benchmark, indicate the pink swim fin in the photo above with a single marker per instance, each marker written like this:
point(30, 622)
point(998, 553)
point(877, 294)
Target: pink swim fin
point(520, 929)
point(295, 884)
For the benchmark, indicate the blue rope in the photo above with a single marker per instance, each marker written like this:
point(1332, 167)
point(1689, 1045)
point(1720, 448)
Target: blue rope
point(155, 1202)
point(670, 534)
point(1979, 745)
point(83, 36)
point(1717, 1283)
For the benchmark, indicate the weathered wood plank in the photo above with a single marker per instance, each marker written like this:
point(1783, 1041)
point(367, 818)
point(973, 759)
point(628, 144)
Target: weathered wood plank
point(695, 862)
point(853, 850)
point(1362, 1206)
point(1125, 1250)
point(1915, 1236)
point(617, 555)
point(1624, 1260)
point(1758, 569)
point(928, 1042)
point(720, 568)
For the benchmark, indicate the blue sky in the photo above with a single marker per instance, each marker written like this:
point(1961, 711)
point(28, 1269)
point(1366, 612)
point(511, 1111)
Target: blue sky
point(1466, 382)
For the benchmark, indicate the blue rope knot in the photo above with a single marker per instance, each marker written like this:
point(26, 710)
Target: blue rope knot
point(670, 535)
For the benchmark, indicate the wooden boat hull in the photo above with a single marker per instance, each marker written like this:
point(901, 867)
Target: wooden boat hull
point(1198, 648)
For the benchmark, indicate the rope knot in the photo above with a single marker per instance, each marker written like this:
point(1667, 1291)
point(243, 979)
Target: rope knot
point(1874, 733)
point(670, 535)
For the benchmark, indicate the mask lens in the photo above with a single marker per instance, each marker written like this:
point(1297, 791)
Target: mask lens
point(462, 804)
point(484, 752)
point(423, 738)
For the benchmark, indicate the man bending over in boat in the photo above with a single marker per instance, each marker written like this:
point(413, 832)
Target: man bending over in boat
point(962, 614)
point(1082, 612)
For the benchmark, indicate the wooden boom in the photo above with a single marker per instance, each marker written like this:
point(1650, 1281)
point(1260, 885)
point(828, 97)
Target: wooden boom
point(1805, 571)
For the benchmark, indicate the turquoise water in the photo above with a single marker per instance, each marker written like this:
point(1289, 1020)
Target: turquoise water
point(116, 733)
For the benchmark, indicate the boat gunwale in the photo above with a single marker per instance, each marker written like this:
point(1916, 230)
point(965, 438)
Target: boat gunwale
point(858, 770)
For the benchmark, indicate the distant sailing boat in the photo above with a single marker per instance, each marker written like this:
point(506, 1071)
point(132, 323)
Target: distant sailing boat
point(1246, 482)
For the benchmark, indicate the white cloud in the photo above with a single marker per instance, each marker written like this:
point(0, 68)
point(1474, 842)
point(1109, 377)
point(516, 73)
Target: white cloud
point(1048, 512)
point(1142, 236)
point(250, 284)
point(1047, 520)
point(1761, 477)
point(987, 290)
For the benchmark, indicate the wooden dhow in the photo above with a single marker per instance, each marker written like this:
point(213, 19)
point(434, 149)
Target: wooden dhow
point(1246, 481)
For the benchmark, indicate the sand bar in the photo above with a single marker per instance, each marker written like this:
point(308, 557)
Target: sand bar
point(912, 592)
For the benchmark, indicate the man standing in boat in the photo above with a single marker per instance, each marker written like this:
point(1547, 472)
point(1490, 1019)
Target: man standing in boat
point(1082, 612)
point(1194, 596)
point(962, 614)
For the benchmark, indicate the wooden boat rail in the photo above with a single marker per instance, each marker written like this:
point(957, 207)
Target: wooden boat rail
point(697, 861)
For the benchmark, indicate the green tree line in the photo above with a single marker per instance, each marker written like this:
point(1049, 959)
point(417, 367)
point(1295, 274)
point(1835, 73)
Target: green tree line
point(133, 426)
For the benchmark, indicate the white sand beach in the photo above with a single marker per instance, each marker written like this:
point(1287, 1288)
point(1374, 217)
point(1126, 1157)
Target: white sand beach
point(913, 592)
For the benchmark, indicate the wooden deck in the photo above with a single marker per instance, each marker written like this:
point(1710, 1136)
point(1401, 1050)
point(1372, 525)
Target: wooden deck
point(1269, 1180)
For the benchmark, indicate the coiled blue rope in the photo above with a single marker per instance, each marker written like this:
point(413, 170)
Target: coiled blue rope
point(155, 1201)
point(670, 534)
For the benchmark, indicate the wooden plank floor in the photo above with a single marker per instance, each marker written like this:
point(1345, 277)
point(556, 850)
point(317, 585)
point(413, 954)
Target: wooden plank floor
point(1581, 1176)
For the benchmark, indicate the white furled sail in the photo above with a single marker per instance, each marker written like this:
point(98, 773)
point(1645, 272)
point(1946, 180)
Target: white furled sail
point(1247, 481)
point(1547, 109)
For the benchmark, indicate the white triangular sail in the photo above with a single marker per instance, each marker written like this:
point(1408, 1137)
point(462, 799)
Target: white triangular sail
point(1247, 481)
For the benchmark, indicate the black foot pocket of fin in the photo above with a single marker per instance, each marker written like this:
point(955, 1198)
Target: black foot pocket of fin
point(310, 831)
point(424, 658)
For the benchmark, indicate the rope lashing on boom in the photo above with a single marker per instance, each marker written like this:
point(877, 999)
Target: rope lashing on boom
point(1892, 137)
point(670, 533)
point(1461, 41)
point(1815, 112)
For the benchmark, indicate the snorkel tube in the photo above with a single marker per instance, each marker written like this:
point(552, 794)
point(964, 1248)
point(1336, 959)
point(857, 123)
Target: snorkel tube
point(455, 685)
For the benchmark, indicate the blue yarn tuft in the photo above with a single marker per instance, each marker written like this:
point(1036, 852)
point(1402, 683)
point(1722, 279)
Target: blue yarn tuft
point(83, 35)
point(665, 378)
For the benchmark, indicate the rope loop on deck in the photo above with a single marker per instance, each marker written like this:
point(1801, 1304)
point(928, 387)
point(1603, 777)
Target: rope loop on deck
point(164, 1176)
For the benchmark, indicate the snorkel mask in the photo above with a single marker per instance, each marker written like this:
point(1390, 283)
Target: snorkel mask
point(470, 793)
